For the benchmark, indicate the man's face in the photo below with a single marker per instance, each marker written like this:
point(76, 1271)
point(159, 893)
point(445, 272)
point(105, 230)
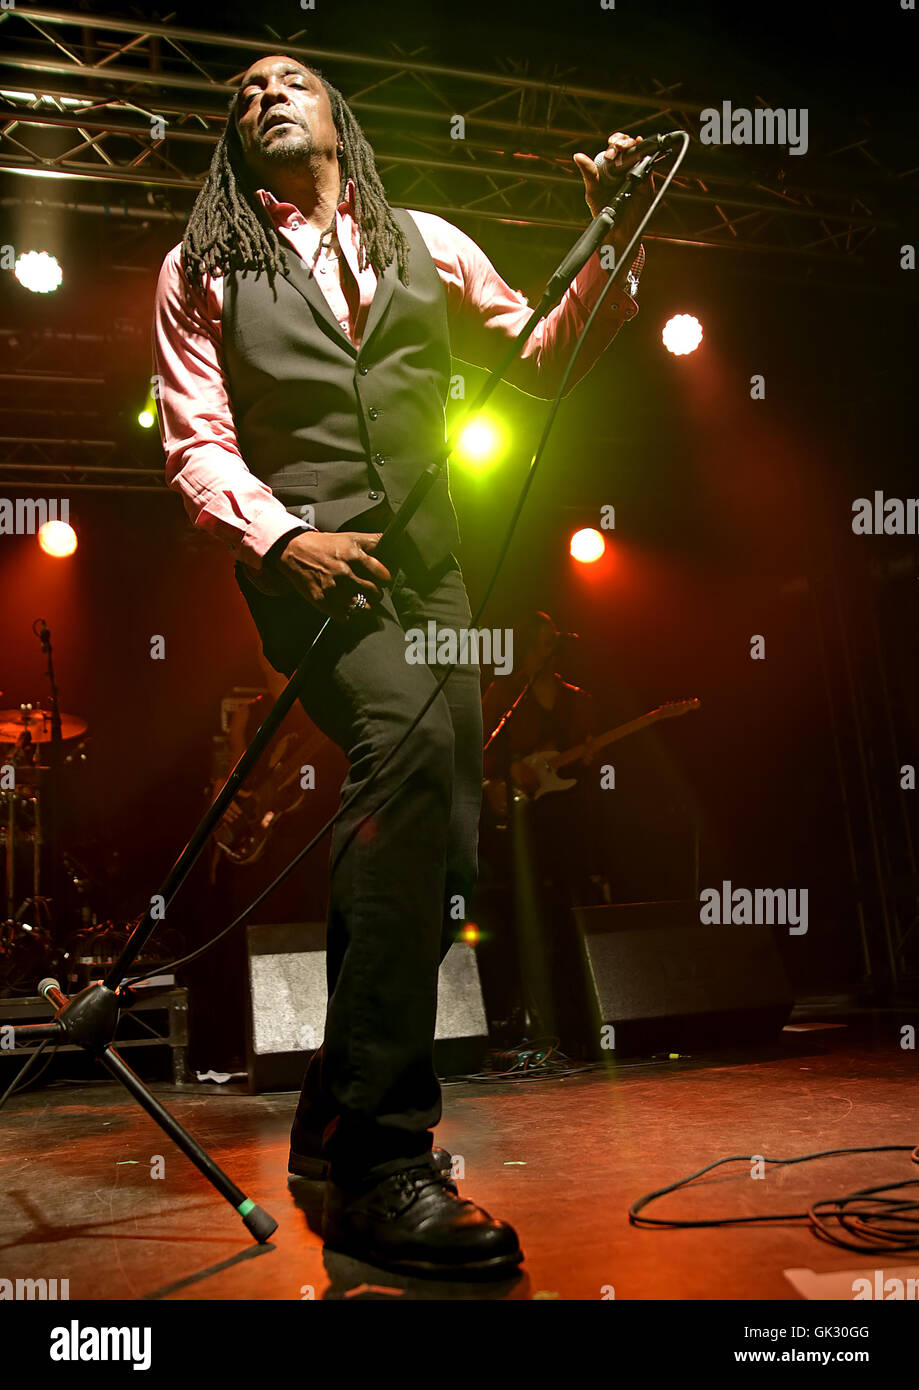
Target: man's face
point(283, 115)
point(544, 646)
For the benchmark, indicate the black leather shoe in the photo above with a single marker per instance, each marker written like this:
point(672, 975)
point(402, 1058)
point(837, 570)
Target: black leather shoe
point(414, 1221)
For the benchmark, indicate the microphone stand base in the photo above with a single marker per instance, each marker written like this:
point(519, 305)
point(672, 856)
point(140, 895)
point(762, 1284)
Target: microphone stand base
point(89, 1021)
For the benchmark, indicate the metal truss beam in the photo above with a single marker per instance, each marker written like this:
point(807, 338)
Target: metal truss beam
point(89, 110)
point(121, 115)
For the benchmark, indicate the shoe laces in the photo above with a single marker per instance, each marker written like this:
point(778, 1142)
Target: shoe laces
point(413, 1181)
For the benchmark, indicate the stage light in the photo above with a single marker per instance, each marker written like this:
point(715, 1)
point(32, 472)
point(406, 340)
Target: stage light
point(38, 272)
point(682, 334)
point(57, 538)
point(479, 444)
point(146, 417)
point(470, 934)
point(587, 545)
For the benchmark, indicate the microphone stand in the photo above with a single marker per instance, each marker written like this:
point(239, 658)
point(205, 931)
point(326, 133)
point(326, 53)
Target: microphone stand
point(90, 1018)
point(533, 1021)
point(509, 713)
point(51, 821)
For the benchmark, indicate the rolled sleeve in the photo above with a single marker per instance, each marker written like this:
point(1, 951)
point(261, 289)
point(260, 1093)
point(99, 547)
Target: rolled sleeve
point(203, 460)
point(485, 313)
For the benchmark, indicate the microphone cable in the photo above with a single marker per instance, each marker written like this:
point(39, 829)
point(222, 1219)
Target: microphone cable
point(873, 1222)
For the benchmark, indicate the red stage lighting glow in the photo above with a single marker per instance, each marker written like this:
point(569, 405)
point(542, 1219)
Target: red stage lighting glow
point(57, 538)
point(587, 545)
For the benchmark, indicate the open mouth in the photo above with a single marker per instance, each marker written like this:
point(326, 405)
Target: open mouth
point(273, 122)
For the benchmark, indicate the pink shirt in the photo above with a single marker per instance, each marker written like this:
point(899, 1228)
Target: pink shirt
point(203, 459)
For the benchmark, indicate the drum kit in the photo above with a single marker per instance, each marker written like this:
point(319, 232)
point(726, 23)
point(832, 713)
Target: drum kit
point(27, 790)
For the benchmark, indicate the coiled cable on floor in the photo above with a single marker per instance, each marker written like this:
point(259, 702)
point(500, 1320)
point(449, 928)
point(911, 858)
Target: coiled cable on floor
point(873, 1223)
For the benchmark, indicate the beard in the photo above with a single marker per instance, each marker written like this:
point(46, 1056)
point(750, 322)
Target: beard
point(294, 143)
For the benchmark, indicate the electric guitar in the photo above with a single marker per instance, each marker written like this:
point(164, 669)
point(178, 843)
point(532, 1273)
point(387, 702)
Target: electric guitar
point(545, 763)
point(276, 793)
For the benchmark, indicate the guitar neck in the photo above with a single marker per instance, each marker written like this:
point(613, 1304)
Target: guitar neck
point(611, 736)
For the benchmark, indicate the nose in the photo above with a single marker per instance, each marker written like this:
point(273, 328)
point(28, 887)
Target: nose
point(272, 93)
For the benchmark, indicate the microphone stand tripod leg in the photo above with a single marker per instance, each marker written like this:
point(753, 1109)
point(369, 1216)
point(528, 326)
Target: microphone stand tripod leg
point(31, 1062)
point(254, 1218)
point(89, 1020)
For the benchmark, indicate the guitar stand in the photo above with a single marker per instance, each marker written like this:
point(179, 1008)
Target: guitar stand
point(90, 1018)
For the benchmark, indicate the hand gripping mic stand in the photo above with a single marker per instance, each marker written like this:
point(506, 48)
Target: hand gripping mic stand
point(90, 1018)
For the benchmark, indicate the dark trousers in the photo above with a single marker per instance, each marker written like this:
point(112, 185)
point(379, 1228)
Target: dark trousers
point(399, 859)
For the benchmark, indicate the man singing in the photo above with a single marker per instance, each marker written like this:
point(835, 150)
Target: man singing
point(303, 337)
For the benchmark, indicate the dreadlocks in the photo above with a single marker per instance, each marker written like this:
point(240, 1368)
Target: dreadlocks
point(229, 230)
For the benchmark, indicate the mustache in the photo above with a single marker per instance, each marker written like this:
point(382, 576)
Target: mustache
point(277, 117)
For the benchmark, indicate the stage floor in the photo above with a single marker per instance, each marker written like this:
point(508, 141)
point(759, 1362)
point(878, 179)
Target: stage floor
point(561, 1159)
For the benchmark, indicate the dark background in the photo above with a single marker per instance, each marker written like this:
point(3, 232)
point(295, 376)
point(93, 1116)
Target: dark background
point(733, 517)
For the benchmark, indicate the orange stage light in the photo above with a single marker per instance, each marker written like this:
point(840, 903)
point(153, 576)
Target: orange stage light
point(57, 538)
point(587, 545)
point(682, 334)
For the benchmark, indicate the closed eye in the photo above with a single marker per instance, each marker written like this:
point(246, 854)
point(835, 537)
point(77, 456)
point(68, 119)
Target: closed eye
point(296, 79)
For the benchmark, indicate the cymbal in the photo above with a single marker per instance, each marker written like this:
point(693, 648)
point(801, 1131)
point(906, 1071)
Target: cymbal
point(14, 722)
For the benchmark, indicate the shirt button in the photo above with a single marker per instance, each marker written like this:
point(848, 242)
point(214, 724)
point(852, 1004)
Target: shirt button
point(378, 459)
point(294, 223)
point(363, 370)
point(373, 412)
point(374, 496)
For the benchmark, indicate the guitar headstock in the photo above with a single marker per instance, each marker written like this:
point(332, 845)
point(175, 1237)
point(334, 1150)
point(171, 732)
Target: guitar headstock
point(674, 709)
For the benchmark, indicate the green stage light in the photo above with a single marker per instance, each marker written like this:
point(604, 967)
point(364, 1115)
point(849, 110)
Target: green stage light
point(479, 443)
point(146, 417)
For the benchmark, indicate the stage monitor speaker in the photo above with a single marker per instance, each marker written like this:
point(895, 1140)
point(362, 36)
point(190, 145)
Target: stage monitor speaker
point(667, 983)
point(287, 1003)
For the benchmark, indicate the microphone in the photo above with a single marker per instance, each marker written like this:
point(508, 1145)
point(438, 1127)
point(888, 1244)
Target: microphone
point(655, 144)
point(42, 632)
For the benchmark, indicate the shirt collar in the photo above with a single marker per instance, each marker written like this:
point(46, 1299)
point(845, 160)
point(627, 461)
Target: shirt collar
point(280, 212)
